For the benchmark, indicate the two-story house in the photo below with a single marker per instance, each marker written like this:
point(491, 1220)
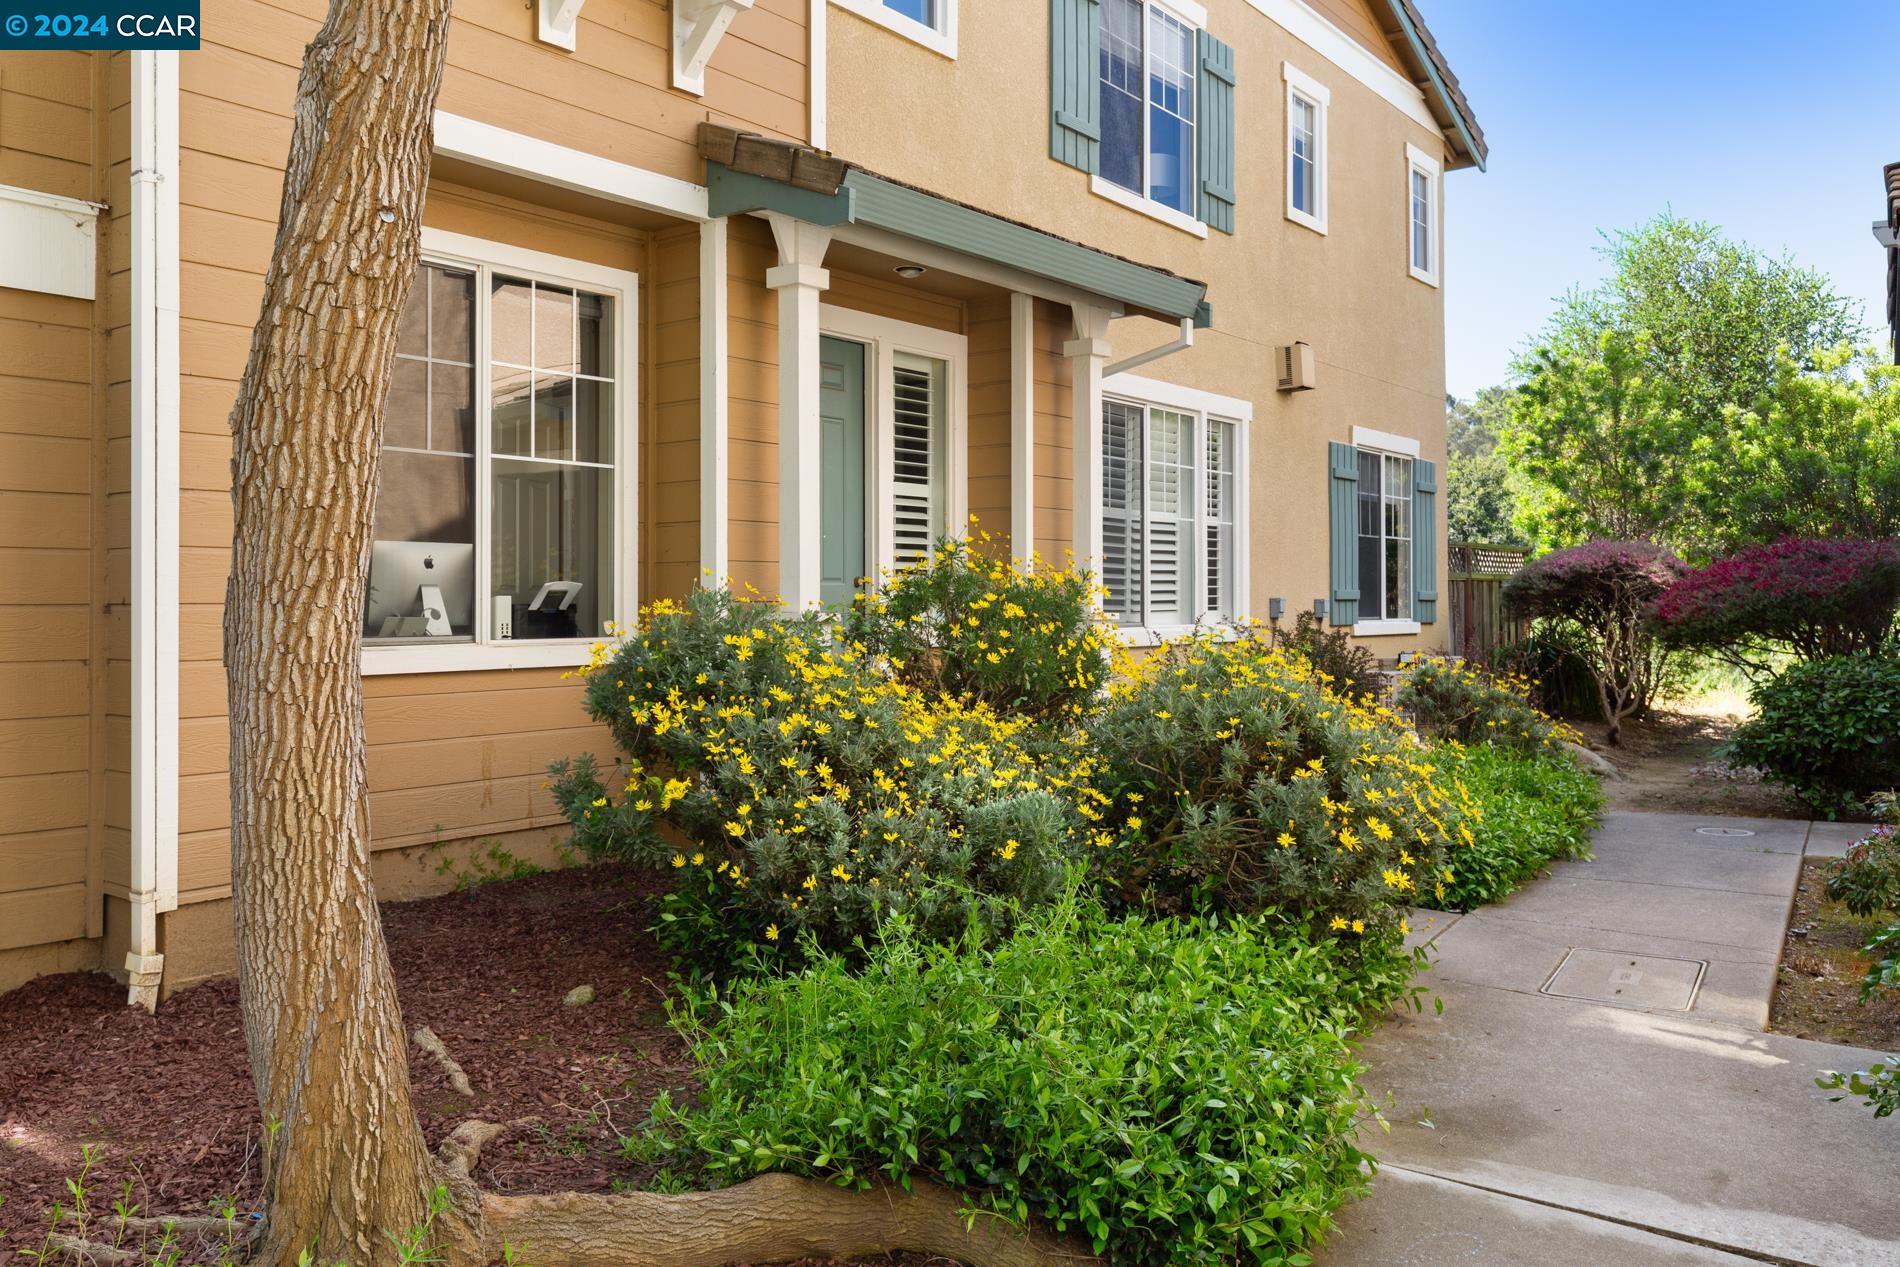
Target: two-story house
point(778, 290)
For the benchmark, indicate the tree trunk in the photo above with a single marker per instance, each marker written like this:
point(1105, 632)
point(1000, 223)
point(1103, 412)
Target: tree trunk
point(345, 1162)
point(346, 1169)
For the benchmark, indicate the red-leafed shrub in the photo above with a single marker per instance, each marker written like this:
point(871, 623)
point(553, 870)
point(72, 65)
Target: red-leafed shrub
point(1599, 594)
point(1816, 597)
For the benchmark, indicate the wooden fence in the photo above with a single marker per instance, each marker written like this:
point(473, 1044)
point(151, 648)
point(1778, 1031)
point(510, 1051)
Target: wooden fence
point(1478, 623)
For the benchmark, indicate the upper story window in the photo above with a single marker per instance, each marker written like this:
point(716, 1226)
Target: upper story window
point(503, 521)
point(1307, 102)
point(1421, 200)
point(932, 23)
point(1148, 64)
point(1171, 539)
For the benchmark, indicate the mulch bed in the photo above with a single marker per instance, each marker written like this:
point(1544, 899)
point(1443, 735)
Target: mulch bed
point(1817, 992)
point(168, 1098)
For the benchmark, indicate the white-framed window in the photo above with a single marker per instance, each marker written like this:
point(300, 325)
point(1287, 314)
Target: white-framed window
point(1422, 236)
point(932, 23)
point(916, 402)
point(1174, 541)
point(1307, 104)
point(1385, 528)
point(505, 510)
point(1147, 67)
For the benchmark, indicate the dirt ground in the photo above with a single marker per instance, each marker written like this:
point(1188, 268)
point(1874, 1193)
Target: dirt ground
point(1817, 992)
point(1670, 764)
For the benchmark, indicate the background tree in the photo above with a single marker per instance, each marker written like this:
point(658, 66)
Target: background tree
point(1481, 496)
point(346, 1170)
point(1651, 366)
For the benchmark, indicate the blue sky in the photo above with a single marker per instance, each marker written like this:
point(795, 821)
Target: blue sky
point(1771, 120)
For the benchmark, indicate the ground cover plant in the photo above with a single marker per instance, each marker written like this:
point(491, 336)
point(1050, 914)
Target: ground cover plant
point(1174, 1091)
point(1526, 810)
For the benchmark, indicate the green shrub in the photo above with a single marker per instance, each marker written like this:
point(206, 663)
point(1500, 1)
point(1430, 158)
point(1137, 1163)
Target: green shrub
point(797, 791)
point(1233, 780)
point(1344, 666)
point(1866, 879)
point(1829, 730)
point(1452, 701)
point(1878, 1085)
point(1527, 809)
point(1173, 1092)
point(985, 629)
point(1883, 973)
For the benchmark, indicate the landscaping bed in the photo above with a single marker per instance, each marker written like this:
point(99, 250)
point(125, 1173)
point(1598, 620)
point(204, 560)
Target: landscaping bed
point(169, 1102)
point(1817, 991)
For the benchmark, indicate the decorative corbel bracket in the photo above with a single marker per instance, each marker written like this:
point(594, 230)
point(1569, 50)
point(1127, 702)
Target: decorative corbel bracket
point(698, 26)
point(558, 20)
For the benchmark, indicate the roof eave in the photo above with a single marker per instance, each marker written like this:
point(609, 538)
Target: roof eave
point(1463, 137)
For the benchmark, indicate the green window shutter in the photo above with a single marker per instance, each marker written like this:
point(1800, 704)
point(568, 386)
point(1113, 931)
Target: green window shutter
point(1214, 127)
point(1075, 98)
point(1343, 502)
point(1425, 541)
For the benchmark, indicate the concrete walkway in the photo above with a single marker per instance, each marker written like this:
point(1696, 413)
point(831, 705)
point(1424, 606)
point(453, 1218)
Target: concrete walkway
point(1599, 1091)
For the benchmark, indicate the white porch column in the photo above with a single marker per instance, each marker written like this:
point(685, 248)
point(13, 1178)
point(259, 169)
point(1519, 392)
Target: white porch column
point(715, 511)
point(1022, 426)
point(799, 278)
point(1087, 353)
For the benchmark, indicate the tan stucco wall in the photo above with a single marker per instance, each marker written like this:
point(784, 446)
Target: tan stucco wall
point(1377, 334)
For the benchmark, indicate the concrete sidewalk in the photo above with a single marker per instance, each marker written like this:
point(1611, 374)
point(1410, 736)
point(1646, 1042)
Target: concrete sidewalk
point(1598, 1089)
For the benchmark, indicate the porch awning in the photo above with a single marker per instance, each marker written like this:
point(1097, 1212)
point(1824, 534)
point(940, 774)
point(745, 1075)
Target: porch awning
point(747, 172)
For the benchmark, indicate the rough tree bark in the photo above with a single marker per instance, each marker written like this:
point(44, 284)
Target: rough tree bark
point(346, 1166)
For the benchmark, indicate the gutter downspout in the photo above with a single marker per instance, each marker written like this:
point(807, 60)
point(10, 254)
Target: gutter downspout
point(153, 882)
point(1182, 341)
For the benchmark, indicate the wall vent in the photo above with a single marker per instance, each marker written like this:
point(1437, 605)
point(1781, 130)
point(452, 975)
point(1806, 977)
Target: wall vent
point(1296, 368)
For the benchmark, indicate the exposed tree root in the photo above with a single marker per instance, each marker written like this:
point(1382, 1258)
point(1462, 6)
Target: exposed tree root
point(92, 1253)
point(768, 1219)
point(428, 1040)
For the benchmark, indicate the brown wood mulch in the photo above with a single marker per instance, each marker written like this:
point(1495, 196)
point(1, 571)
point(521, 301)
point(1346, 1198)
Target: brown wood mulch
point(168, 1098)
point(1817, 991)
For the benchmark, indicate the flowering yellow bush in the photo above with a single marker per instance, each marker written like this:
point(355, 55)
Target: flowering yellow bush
point(1231, 778)
point(1450, 700)
point(797, 787)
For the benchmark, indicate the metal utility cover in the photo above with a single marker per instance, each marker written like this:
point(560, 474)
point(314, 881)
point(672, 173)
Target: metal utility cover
point(1632, 980)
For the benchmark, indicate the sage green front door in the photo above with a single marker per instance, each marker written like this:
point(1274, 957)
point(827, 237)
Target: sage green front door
point(841, 468)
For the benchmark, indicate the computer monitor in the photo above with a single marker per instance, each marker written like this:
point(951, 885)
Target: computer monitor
point(398, 571)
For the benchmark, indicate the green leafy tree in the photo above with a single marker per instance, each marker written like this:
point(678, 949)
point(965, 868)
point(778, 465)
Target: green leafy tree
point(1624, 424)
point(1480, 492)
point(1597, 436)
point(1819, 456)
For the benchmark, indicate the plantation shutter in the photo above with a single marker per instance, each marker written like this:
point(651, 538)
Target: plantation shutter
point(1425, 541)
point(1167, 590)
point(1122, 509)
point(916, 438)
point(1219, 534)
point(1216, 133)
point(1075, 100)
point(1343, 503)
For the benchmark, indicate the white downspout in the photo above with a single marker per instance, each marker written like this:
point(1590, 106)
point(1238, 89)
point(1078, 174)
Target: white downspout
point(1181, 342)
point(153, 883)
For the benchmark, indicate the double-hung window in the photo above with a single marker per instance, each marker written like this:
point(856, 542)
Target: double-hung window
point(503, 529)
point(1307, 101)
point(1421, 223)
point(1385, 535)
point(932, 23)
point(1147, 75)
point(1172, 526)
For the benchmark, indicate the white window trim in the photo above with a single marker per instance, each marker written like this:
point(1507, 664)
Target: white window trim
point(1417, 160)
point(1402, 446)
point(1299, 84)
point(481, 654)
point(1102, 187)
point(1194, 16)
point(940, 39)
point(881, 337)
point(1153, 392)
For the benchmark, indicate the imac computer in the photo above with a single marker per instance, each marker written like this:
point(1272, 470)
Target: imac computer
point(420, 589)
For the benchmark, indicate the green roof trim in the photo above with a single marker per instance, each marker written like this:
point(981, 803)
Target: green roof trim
point(1473, 146)
point(883, 204)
